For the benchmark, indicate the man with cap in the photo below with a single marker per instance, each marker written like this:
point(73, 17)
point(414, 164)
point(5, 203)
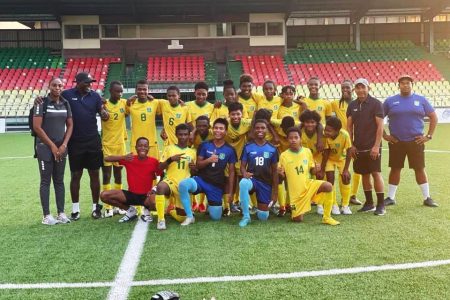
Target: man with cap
point(365, 126)
point(84, 147)
point(406, 112)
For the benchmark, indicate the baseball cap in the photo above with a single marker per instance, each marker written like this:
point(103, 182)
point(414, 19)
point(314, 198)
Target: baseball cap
point(405, 76)
point(84, 77)
point(361, 81)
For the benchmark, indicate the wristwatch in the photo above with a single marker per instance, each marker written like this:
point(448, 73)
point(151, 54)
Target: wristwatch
point(429, 136)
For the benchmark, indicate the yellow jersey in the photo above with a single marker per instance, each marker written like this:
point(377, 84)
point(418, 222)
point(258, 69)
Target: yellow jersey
point(198, 139)
point(293, 111)
point(237, 136)
point(251, 104)
point(178, 170)
point(297, 166)
point(143, 121)
point(310, 143)
point(172, 117)
point(196, 111)
point(114, 131)
point(338, 147)
point(272, 105)
point(223, 112)
point(340, 111)
point(284, 143)
point(322, 106)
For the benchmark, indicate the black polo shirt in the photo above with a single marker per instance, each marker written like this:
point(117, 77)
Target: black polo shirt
point(364, 115)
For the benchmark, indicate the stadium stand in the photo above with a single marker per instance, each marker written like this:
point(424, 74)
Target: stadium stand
point(176, 68)
point(264, 67)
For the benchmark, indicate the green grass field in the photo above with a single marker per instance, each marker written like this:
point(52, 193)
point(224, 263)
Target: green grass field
point(91, 250)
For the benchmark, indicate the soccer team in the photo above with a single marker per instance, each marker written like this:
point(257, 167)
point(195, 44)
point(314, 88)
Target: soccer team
point(242, 155)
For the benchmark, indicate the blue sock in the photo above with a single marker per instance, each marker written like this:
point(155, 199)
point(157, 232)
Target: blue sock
point(215, 212)
point(262, 215)
point(187, 186)
point(245, 186)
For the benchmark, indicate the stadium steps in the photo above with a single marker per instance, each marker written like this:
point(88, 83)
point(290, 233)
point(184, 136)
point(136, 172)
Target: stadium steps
point(211, 73)
point(114, 73)
point(441, 62)
point(234, 70)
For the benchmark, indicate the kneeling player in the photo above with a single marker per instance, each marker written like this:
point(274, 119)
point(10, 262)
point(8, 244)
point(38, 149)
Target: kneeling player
point(259, 168)
point(295, 165)
point(179, 161)
point(141, 171)
point(213, 158)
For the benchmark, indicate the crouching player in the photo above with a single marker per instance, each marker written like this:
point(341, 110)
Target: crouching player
point(336, 156)
point(259, 161)
point(141, 171)
point(213, 158)
point(296, 165)
point(179, 161)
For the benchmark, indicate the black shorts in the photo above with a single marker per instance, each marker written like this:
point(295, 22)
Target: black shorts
point(134, 199)
point(400, 150)
point(86, 160)
point(364, 164)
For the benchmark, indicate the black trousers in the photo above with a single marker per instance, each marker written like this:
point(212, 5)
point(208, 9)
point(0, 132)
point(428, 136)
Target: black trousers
point(52, 170)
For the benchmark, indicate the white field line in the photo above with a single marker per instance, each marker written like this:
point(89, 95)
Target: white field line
point(304, 274)
point(130, 261)
point(15, 157)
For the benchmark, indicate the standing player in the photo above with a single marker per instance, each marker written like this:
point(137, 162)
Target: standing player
point(230, 96)
point(288, 106)
point(314, 102)
point(213, 158)
point(365, 126)
point(200, 107)
point(173, 114)
point(259, 161)
point(179, 162)
point(335, 156)
point(113, 139)
point(248, 99)
point(296, 165)
point(270, 101)
point(141, 171)
point(143, 117)
point(339, 107)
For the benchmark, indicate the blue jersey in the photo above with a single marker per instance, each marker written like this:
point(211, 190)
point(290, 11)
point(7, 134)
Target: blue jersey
point(406, 115)
point(214, 173)
point(259, 160)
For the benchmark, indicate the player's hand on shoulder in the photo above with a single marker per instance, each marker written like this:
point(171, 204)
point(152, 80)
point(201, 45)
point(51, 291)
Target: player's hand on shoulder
point(129, 157)
point(217, 104)
point(131, 100)
point(150, 97)
point(280, 171)
point(163, 135)
point(319, 146)
point(181, 102)
point(38, 100)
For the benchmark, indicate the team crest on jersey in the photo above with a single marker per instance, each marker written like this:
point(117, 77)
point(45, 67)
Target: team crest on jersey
point(178, 116)
point(305, 161)
point(222, 156)
point(416, 103)
point(122, 110)
point(319, 108)
point(266, 154)
point(275, 107)
point(337, 145)
point(149, 109)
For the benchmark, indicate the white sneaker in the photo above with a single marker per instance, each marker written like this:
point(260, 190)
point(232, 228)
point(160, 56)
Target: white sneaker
point(188, 221)
point(63, 219)
point(335, 210)
point(345, 210)
point(49, 220)
point(108, 213)
point(147, 218)
point(319, 209)
point(161, 225)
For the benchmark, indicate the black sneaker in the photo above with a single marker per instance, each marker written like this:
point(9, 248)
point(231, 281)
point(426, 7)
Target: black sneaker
point(226, 212)
point(388, 201)
point(380, 210)
point(430, 202)
point(281, 213)
point(97, 213)
point(367, 208)
point(355, 201)
point(75, 216)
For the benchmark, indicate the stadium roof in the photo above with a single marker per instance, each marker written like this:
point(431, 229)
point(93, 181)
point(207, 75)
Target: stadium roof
point(40, 10)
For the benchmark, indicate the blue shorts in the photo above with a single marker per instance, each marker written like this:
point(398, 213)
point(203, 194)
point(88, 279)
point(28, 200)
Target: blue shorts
point(263, 191)
point(213, 193)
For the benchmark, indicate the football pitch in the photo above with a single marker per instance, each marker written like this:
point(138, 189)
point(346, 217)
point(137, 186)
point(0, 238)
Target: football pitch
point(404, 254)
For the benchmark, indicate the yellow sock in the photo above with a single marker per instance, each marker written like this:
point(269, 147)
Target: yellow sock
point(356, 180)
point(236, 198)
point(118, 186)
point(253, 200)
point(140, 210)
point(201, 198)
point(225, 203)
point(345, 192)
point(106, 187)
point(333, 195)
point(327, 200)
point(193, 199)
point(177, 217)
point(281, 195)
point(160, 201)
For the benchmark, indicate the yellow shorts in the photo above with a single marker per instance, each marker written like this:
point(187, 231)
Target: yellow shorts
point(333, 165)
point(237, 169)
point(174, 193)
point(153, 151)
point(302, 205)
point(109, 150)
